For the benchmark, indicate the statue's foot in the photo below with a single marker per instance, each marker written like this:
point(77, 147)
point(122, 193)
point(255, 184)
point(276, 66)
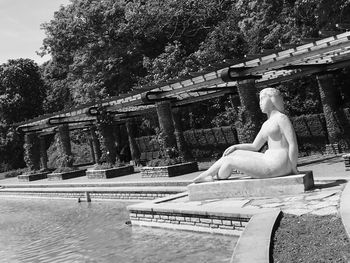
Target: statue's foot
point(202, 178)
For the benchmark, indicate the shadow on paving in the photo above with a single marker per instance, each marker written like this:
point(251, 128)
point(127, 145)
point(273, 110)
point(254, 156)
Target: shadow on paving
point(330, 184)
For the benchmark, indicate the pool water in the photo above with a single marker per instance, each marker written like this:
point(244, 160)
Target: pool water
point(38, 230)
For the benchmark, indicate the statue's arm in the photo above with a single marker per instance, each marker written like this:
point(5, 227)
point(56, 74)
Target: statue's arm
point(289, 133)
point(255, 146)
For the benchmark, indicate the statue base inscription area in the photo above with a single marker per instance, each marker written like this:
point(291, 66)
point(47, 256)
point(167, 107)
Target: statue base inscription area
point(277, 186)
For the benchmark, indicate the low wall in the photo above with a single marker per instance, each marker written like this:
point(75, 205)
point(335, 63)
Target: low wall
point(184, 221)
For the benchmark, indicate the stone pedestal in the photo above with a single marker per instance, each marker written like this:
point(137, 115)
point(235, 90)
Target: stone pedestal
point(169, 171)
point(32, 177)
point(65, 175)
point(269, 187)
point(110, 173)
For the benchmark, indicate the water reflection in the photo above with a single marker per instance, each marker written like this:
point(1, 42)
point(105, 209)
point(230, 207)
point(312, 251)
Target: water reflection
point(34, 230)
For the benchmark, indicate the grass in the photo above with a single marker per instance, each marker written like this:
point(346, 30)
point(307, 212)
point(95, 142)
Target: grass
point(311, 239)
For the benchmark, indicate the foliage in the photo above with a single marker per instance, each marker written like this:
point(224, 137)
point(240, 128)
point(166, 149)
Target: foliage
point(301, 96)
point(167, 155)
point(14, 173)
point(21, 94)
point(21, 90)
point(32, 152)
point(246, 128)
point(90, 42)
point(62, 159)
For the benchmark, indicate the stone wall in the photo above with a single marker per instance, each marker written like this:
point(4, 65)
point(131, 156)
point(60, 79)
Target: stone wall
point(193, 222)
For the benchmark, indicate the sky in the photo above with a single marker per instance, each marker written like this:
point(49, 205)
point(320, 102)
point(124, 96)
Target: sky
point(20, 33)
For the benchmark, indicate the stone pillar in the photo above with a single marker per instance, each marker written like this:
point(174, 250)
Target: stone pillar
point(43, 153)
point(92, 151)
point(65, 146)
point(108, 140)
point(134, 149)
point(180, 139)
point(165, 118)
point(32, 151)
point(335, 118)
point(95, 145)
point(250, 116)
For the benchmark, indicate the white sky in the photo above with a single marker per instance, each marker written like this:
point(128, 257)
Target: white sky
point(20, 33)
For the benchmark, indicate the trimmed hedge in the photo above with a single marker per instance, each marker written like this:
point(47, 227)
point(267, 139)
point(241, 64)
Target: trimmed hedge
point(311, 134)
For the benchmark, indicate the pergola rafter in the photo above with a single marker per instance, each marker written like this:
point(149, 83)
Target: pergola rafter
point(322, 55)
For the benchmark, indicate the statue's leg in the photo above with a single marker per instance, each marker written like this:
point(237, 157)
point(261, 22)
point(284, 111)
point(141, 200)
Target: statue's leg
point(248, 162)
point(207, 175)
point(225, 169)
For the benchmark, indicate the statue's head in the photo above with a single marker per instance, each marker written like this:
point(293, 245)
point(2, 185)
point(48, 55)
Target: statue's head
point(275, 96)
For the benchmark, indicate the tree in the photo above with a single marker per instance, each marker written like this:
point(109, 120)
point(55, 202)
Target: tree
point(21, 96)
point(22, 90)
point(90, 42)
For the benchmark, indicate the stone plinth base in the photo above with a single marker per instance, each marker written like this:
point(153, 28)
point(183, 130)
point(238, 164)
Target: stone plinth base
point(110, 173)
point(66, 175)
point(287, 185)
point(169, 171)
point(32, 177)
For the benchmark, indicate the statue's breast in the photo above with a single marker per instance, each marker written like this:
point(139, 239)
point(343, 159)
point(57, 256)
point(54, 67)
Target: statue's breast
point(272, 130)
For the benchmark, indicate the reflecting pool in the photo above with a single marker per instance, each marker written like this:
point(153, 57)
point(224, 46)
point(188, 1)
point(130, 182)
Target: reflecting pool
point(37, 230)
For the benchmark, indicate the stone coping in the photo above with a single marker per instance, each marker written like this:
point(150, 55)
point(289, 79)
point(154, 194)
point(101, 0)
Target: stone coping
point(345, 208)
point(97, 189)
point(164, 207)
point(255, 241)
point(59, 184)
point(167, 212)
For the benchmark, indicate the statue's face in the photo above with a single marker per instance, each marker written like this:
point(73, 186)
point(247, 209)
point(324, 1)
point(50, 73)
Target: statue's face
point(265, 103)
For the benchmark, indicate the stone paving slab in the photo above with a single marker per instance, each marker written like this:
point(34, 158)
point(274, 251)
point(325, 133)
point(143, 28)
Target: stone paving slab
point(322, 200)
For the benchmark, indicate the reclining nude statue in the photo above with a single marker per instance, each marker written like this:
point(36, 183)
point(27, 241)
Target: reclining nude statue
point(279, 159)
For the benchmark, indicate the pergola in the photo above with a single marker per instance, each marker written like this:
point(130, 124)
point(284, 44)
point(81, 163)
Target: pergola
point(321, 57)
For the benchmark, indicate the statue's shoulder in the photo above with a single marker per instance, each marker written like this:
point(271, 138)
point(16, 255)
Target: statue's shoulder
point(281, 117)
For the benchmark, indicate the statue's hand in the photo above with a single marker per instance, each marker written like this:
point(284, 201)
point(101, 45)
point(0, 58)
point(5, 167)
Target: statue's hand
point(229, 150)
point(295, 171)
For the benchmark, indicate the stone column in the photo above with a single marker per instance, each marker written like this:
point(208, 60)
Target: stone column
point(92, 151)
point(134, 149)
point(32, 151)
point(336, 122)
point(108, 141)
point(250, 116)
point(43, 153)
point(65, 146)
point(165, 118)
point(180, 139)
point(95, 145)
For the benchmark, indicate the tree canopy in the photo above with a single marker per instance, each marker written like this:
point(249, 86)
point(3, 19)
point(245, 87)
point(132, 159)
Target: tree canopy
point(22, 92)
